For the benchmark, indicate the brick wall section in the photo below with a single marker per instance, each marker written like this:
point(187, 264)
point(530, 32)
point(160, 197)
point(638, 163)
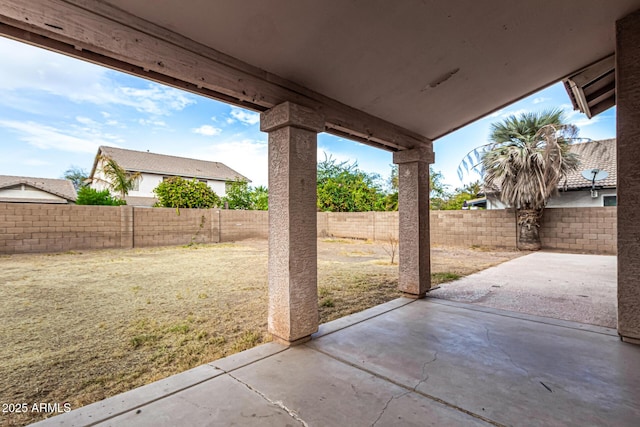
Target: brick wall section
point(28, 228)
point(385, 225)
point(481, 228)
point(238, 225)
point(494, 228)
point(166, 226)
point(590, 230)
point(355, 225)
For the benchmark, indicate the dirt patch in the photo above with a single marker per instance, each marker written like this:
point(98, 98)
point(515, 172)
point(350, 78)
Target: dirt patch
point(83, 326)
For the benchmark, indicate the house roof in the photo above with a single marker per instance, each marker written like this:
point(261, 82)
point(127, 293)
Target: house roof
point(594, 155)
point(161, 164)
point(59, 187)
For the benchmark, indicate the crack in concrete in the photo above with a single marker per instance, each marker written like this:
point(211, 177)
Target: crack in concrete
point(386, 405)
point(406, 387)
point(425, 377)
point(277, 403)
point(492, 344)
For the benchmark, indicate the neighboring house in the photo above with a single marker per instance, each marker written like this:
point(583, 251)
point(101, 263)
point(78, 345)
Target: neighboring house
point(22, 189)
point(154, 168)
point(578, 191)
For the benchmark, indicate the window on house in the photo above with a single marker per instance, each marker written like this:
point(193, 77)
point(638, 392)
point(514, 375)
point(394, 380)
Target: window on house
point(136, 184)
point(610, 200)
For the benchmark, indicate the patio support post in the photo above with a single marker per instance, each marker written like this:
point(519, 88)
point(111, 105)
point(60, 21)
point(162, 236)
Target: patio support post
point(413, 214)
point(293, 290)
point(628, 153)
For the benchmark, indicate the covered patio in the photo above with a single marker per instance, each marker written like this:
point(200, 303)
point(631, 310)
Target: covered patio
point(407, 362)
point(394, 75)
point(410, 362)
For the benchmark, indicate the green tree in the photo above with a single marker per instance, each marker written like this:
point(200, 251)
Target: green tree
point(456, 200)
point(260, 196)
point(90, 196)
point(527, 158)
point(77, 176)
point(238, 195)
point(116, 177)
point(177, 192)
point(343, 187)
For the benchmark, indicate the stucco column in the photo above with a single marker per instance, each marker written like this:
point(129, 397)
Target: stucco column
point(293, 275)
point(413, 212)
point(628, 153)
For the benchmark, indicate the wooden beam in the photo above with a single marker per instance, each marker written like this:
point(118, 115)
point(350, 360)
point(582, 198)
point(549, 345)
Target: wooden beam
point(97, 32)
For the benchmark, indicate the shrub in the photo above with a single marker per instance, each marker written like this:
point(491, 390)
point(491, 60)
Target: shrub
point(91, 196)
point(177, 192)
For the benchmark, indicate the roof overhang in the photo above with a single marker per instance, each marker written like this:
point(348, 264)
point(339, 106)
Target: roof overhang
point(593, 89)
point(395, 75)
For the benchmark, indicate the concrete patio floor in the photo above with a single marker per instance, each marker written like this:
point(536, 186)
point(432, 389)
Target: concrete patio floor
point(577, 287)
point(407, 362)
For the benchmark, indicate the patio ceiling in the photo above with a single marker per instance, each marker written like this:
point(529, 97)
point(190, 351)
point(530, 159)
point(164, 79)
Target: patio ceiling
point(427, 67)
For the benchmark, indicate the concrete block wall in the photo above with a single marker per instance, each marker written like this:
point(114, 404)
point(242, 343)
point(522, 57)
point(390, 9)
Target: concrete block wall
point(482, 228)
point(385, 225)
point(590, 230)
point(166, 226)
point(29, 228)
point(355, 225)
point(238, 225)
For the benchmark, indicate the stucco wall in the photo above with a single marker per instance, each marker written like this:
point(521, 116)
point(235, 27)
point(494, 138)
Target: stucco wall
point(582, 198)
point(27, 227)
point(566, 199)
point(149, 181)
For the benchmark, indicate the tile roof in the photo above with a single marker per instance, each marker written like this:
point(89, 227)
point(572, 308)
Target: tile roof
point(593, 155)
point(141, 161)
point(60, 187)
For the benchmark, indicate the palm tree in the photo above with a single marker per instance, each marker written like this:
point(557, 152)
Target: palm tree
point(526, 160)
point(116, 177)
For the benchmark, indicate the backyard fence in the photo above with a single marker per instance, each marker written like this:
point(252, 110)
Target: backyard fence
point(31, 228)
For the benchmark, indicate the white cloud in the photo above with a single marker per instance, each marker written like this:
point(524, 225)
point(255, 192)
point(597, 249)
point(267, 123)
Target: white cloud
point(585, 121)
point(540, 100)
point(244, 116)
point(105, 114)
point(152, 122)
point(249, 157)
point(495, 114)
point(516, 113)
point(48, 137)
point(504, 113)
point(207, 130)
point(112, 122)
point(87, 121)
point(37, 70)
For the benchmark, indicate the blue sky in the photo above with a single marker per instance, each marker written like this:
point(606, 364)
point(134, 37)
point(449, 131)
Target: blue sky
point(56, 111)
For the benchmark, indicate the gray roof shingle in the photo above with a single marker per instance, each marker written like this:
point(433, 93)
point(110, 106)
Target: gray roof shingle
point(593, 155)
point(60, 187)
point(161, 164)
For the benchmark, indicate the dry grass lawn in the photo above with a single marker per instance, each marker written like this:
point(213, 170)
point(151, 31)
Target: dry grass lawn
point(80, 327)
